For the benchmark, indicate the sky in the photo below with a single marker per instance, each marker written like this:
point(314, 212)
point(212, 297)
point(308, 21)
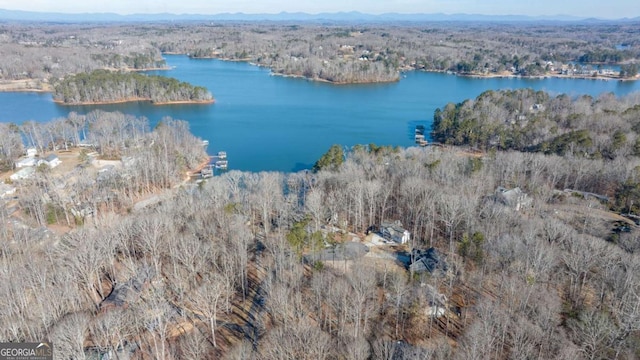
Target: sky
point(582, 8)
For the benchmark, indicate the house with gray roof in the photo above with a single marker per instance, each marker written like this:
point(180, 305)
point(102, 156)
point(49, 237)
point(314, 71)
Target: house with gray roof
point(26, 162)
point(51, 161)
point(513, 198)
point(24, 173)
point(428, 260)
point(395, 232)
point(6, 190)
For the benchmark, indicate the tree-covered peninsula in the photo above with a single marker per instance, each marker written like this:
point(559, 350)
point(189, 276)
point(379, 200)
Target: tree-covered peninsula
point(102, 86)
point(525, 120)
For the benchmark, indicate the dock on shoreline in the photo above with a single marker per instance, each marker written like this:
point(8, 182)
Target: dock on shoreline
point(218, 162)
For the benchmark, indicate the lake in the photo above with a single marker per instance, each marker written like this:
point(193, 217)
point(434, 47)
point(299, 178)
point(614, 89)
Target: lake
point(277, 123)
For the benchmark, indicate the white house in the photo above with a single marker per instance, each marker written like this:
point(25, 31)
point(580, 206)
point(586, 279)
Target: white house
point(6, 190)
point(26, 162)
point(23, 174)
point(514, 198)
point(51, 161)
point(394, 231)
point(32, 152)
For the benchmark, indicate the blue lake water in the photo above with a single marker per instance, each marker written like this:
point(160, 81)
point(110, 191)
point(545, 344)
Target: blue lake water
point(275, 123)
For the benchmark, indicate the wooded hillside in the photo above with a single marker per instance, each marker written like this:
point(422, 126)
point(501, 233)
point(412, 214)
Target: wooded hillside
point(533, 121)
point(330, 52)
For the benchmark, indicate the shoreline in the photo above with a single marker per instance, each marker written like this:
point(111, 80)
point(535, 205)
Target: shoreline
point(190, 173)
point(296, 76)
point(408, 68)
point(25, 90)
point(161, 68)
point(25, 85)
point(41, 86)
point(534, 77)
point(159, 103)
point(165, 68)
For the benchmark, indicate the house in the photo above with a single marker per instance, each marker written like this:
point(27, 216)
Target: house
point(32, 152)
point(394, 231)
point(128, 161)
point(436, 300)
point(513, 198)
point(105, 173)
point(536, 107)
point(6, 190)
point(84, 212)
point(26, 162)
point(428, 260)
point(23, 174)
point(128, 292)
point(51, 161)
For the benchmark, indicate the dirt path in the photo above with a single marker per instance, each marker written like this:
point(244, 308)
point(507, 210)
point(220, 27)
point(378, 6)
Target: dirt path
point(191, 173)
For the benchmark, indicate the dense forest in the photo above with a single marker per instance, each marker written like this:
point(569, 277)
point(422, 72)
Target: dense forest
point(339, 53)
point(103, 86)
point(231, 267)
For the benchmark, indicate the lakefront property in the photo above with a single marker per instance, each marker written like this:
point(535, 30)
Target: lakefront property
point(393, 185)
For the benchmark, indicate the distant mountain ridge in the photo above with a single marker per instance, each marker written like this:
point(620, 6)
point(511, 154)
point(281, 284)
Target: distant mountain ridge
point(353, 16)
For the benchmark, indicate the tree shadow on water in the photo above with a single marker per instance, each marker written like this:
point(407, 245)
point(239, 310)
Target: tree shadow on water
point(301, 166)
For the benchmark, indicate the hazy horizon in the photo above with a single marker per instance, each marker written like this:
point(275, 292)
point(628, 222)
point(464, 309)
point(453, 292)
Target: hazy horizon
point(587, 8)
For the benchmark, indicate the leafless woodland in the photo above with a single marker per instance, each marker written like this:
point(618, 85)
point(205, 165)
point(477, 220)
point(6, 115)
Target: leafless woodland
point(340, 53)
point(221, 269)
point(138, 262)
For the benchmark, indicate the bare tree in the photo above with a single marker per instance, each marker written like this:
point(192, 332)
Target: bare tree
point(593, 331)
point(208, 301)
point(242, 351)
point(111, 330)
point(69, 336)
point(384, 349)
point(357, 349)
point(363, 283)
point(299, 341)
point(193, 345)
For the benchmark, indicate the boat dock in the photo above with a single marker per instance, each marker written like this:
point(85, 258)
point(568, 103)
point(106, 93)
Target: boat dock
point(221, 164)
point(207, 172)
point(218, 162)
point(419, 136)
